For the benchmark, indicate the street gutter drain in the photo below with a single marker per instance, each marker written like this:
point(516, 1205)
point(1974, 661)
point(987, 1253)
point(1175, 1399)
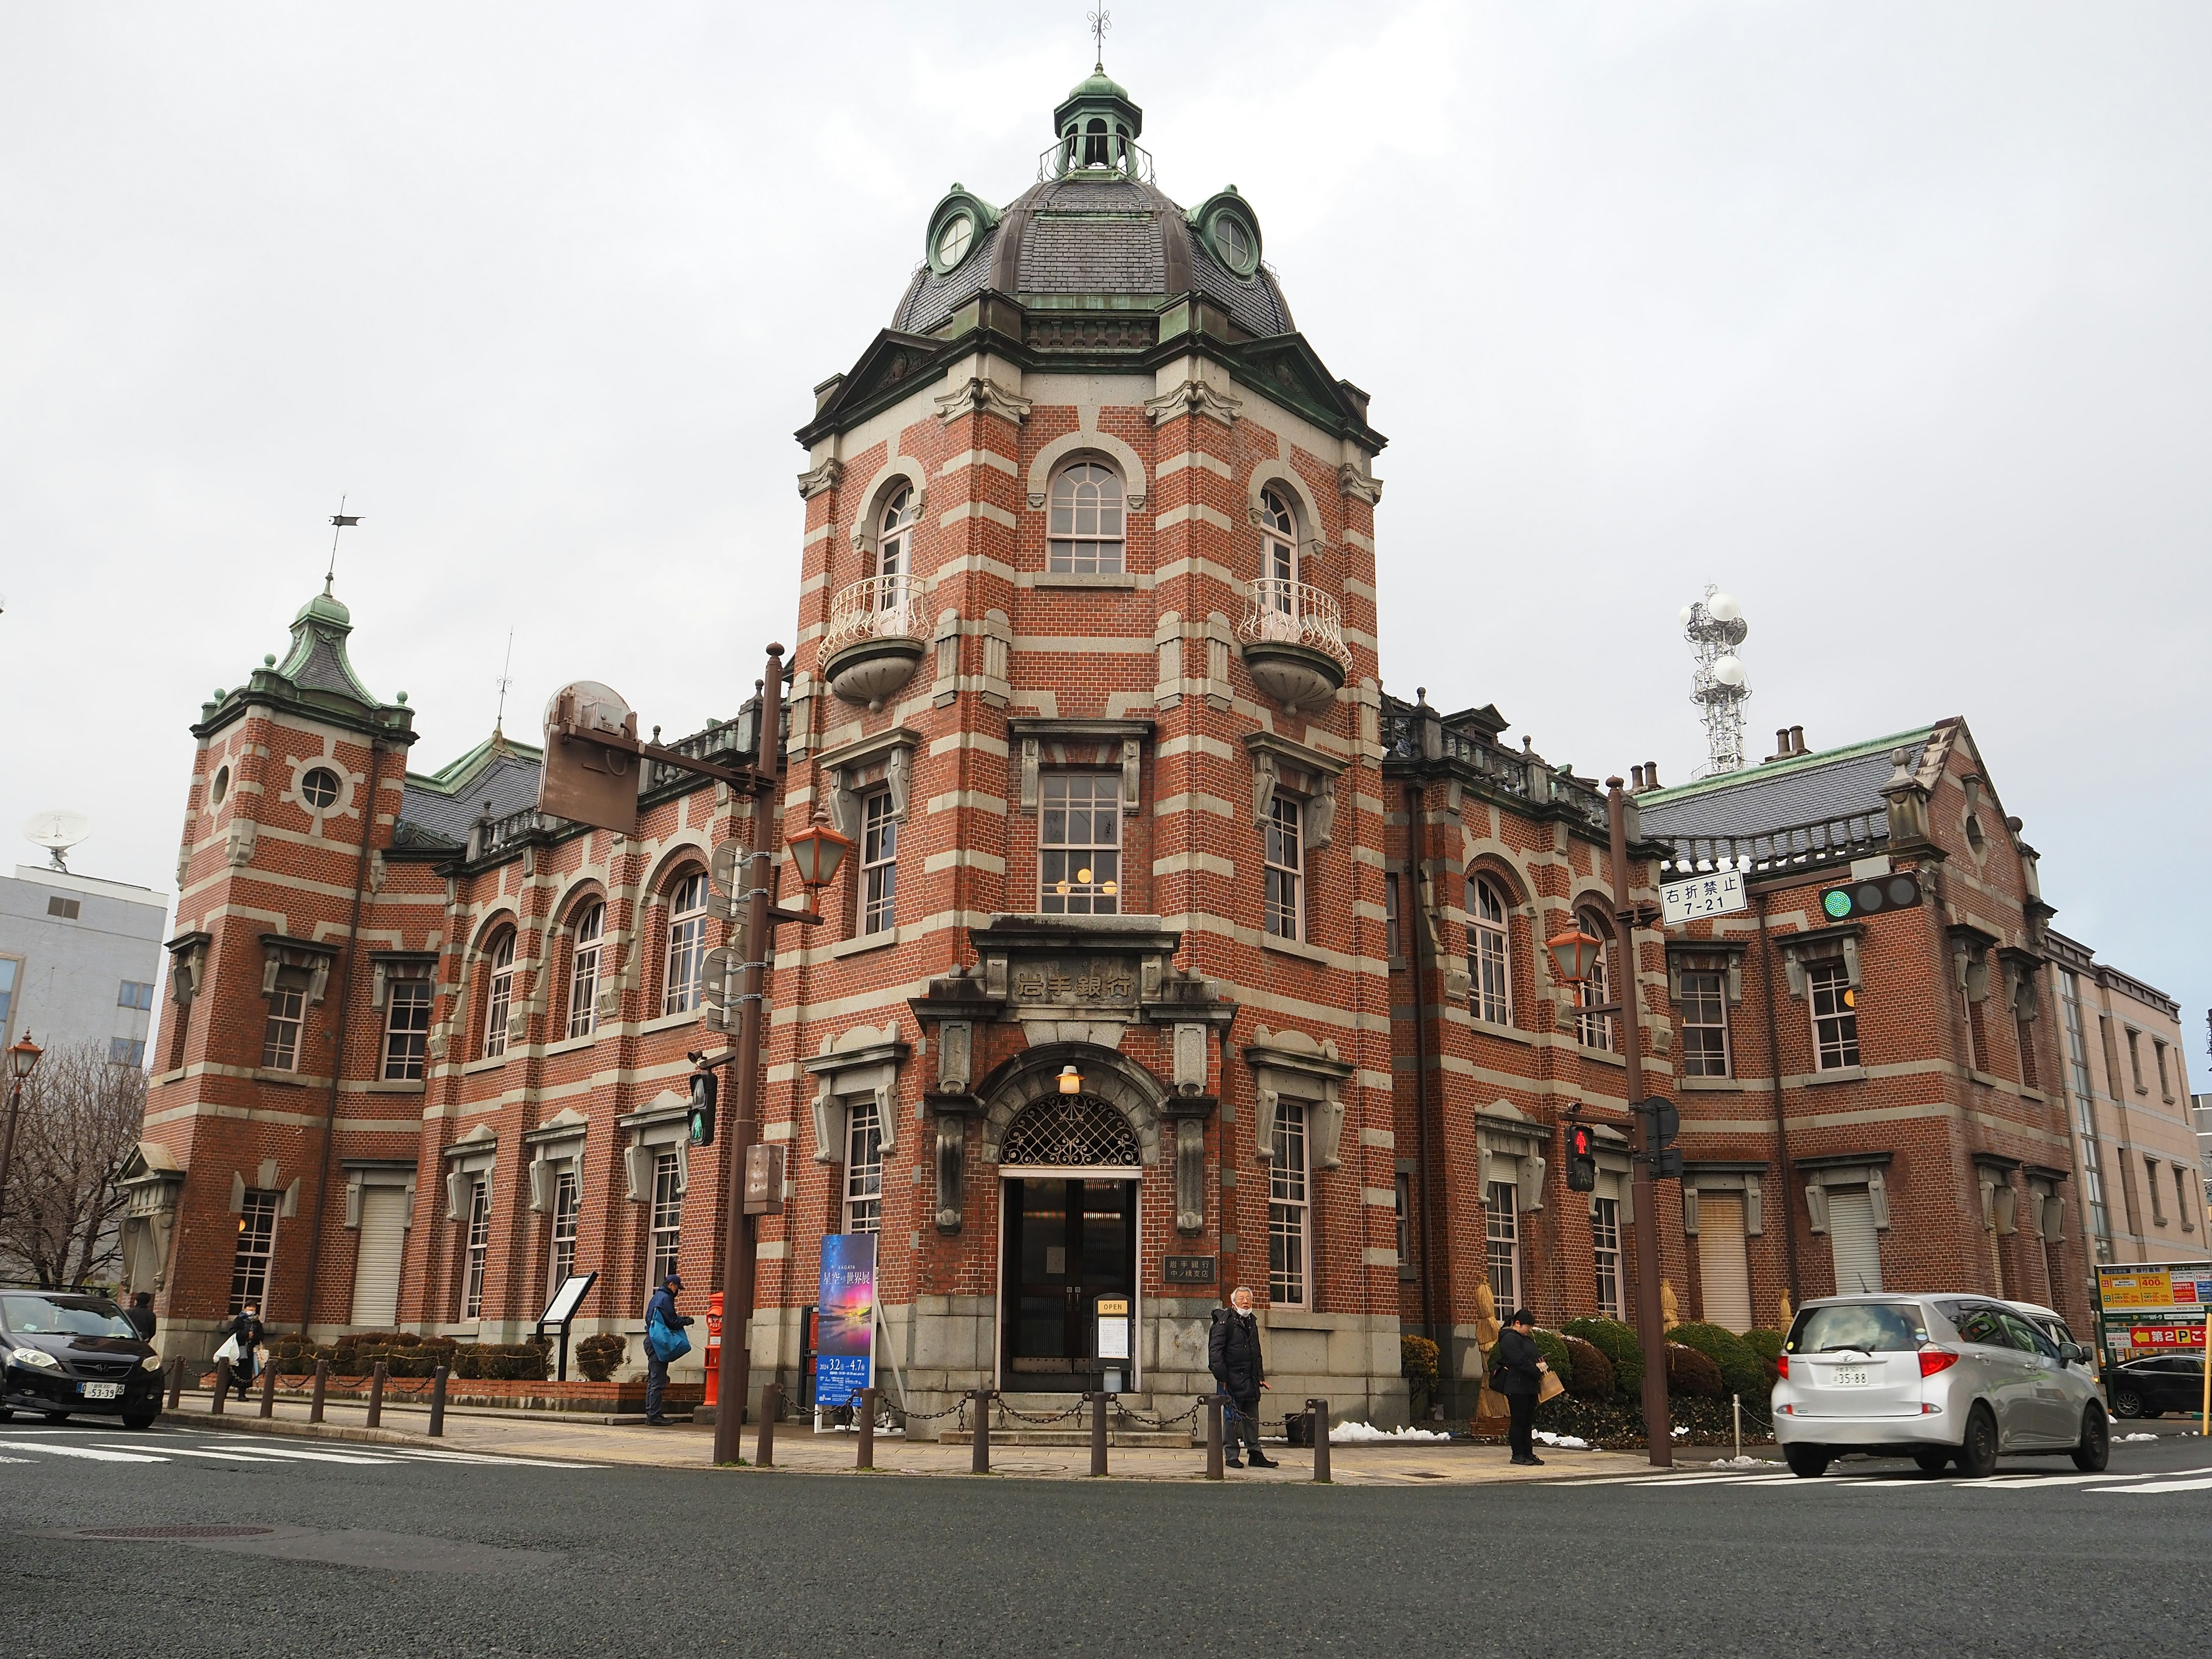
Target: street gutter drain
point(173, 1532)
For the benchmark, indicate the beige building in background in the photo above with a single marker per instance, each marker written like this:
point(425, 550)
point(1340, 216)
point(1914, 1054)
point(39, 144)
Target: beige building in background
point(2135, 1148)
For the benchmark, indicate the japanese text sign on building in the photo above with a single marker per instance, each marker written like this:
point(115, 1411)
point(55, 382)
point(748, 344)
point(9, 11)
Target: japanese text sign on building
point(1713, 894)
point(845, 1328)
point(2146, 1310)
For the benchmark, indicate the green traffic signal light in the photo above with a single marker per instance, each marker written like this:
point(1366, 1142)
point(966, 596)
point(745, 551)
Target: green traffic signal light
point(1870, 897)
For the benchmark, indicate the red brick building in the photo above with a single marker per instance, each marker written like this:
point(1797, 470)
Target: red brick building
point(1086, 666)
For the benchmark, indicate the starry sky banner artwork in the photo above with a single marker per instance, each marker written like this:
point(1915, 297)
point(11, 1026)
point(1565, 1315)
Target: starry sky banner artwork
point(845, 1341)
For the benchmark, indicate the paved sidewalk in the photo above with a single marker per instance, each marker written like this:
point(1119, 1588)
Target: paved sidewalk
point(798, 1449)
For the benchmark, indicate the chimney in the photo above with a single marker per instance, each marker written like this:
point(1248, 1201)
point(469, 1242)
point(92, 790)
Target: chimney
point(1651, 774)
point(1781, 745)
point(1796, 739)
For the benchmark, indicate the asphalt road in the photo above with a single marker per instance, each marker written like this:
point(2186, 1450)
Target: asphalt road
point(368, 1552)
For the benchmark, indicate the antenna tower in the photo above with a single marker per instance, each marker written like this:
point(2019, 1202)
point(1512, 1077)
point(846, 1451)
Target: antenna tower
point(1715, 627)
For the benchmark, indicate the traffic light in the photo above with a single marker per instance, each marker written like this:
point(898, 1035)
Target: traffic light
point(1582, 1158)
point(703, 1090)
point(1870, 896)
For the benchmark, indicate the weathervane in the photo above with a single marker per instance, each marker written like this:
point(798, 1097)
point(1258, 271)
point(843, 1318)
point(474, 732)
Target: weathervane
point(340, 521)
point(1100, 21)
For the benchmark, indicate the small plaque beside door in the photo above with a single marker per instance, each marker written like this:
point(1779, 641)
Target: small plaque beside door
point(1188, 1270)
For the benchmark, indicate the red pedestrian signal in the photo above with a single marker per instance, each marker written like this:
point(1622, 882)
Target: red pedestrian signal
point(1582, 1158)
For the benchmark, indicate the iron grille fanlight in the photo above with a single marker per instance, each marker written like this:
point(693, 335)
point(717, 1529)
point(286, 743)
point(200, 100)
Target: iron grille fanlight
point(1077, 1130)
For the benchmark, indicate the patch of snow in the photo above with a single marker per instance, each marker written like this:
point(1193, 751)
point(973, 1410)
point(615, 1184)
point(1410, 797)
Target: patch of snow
point(1563, 1441)
point(1355, 1434)
point(1743, 1462)
point(1680, 1432)
point(2125, 1437)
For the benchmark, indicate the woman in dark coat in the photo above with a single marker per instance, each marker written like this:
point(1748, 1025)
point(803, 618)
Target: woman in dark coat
point(1516, 1370)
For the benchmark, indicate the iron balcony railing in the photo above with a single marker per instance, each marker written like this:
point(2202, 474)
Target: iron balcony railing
point(1096, 156)
point(1823, 840)
point(1281, 612)
point(880, 608)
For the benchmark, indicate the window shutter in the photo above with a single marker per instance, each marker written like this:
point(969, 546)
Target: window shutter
point(1855, 1240)
point(377, 1262)
point(1723, 1269)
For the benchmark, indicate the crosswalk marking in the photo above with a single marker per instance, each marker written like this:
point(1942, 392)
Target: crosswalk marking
point(194, 1451)
point(233, 1448)
point(94, 1453)
point(2161, 1485)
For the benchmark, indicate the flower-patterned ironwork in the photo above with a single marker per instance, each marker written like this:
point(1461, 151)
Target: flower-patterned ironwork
point(1079, 1131)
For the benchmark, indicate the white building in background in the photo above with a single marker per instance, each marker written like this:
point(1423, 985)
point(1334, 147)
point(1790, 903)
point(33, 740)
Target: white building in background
point(80, 961)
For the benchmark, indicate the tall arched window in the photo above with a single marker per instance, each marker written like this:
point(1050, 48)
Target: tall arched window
point(1087, 524)
point(584, 970)
point(1489, 953)
point(1596, 1029)
point(500, 1001)
point(687, 945)
point(1278, 541)
point(894, 536)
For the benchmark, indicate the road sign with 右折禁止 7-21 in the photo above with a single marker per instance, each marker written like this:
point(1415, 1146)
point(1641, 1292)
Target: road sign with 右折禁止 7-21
point(1712, 895)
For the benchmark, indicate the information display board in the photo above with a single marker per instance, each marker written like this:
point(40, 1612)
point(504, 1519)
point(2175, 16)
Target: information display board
point(2151, 1310)
point(845, 1328)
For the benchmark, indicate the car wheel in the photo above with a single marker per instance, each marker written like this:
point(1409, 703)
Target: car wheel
point(1932, 1462)
point(1977, 1452)
point(135, 1420)
point(1806, 1463)
point(2094, 1449)
point(57, 1417)
point(6, 1414)
point(2126, 1402)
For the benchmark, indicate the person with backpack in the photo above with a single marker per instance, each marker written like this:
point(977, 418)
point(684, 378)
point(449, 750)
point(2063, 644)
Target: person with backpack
point(1232, 1354)
point(664, 1344)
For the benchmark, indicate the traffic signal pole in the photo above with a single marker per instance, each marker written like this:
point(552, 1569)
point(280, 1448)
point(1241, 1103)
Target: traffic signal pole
point(1628, 996)
point(740, 1241)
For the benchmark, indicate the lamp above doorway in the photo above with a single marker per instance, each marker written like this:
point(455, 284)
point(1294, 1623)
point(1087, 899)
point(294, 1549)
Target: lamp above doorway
point(1071, 1080)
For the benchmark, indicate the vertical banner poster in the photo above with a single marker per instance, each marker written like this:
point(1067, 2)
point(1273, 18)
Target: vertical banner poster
point(844, 1354)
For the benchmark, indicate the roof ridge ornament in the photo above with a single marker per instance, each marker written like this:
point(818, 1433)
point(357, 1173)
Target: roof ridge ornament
point(1100, 21)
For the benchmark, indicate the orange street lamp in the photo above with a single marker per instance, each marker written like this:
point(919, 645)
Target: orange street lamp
point(22, 1061)
point(818, 853)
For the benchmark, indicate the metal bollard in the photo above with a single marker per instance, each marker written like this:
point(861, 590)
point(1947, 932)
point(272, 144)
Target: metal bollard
point(1317, 1416)
point(438, 1400)
point(322, 1382)
point(771, 1408)
point(268, 1390)
point(376, 1394)
point(1213, 1471)
point(865, 1456)
point(221, 1386)
point(979, 1461)
point(1098, 1434)
point(176, 1381)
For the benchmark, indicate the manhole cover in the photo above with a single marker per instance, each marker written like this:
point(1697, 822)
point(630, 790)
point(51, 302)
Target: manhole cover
point(172, 1532)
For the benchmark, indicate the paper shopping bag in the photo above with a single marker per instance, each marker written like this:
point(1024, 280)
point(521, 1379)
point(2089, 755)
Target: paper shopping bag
point(1549, 1388)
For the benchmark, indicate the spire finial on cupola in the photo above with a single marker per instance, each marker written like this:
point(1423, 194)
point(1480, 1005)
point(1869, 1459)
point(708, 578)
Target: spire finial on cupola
point(1097, 122)
point(1100, 21)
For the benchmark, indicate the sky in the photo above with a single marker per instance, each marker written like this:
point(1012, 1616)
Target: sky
point(1889, 319)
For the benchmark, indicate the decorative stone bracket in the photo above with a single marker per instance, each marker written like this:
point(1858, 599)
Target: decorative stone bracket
point(846, 767)
point(188, 955)
point(1194, 397)
point(559, 1140)
point(308, 959)
point(1188, 1113)
point(1724, 1178)
point(1710, 957)
point(473, 1156)
point(1271, 757)
point(391, 965)
point(949, 1114)
point(1820, 945)
point(662, 1125)
point(981, 394)
point(1077, 742)
point(1292, 1063)
point(1506, 1134)
point(1867, 1170)
point(1970, 961)
point(861, 1063)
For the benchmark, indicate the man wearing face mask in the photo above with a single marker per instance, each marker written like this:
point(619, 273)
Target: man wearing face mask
point(1232, 1354)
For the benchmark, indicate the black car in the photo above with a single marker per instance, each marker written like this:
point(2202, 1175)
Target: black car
point(2163, 1382)
point(64, 1354)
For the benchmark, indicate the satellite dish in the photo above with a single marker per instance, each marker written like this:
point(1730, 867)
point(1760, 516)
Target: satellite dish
point(1684, 615)
point(57, 831)
point(1722, 607)
point(1728, 671)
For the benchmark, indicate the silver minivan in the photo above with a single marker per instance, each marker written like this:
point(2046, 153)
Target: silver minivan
point(1942, 1379)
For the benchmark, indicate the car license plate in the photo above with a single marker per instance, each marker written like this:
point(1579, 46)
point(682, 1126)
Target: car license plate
point(1851, 1377)
point(103, 1390)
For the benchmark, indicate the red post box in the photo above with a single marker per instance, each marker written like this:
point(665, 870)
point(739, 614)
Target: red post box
point(713, 1348)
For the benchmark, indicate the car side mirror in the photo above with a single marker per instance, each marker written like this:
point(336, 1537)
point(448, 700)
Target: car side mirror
point(2074, 1353)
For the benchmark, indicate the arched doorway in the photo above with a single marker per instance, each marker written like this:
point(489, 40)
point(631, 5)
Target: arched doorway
point(1069, 1167)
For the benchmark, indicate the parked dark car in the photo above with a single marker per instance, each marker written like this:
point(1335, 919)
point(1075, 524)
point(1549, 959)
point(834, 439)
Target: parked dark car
point(65, 1355)
point(2163, 1382)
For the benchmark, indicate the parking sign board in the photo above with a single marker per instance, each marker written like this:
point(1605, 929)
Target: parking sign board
point(1712, 895)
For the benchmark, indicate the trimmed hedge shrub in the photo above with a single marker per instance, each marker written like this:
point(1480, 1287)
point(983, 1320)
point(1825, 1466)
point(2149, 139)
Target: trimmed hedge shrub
point(1553, 1347)
point(1417, 1363)
point(1617, 1343)
point(600, 1356)
point(1767, 1345)
point(1743, 1372)
point(1593, 1372)
point(1692, 1374)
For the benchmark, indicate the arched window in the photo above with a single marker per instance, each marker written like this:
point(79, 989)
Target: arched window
point(1087, 521)
point(1279, 554)
point(584, 970)
point(894, 536)
point(500, 1002)
point(1596, 1029)
point(1094, 144)
point(1489, 953)
point(687, 945)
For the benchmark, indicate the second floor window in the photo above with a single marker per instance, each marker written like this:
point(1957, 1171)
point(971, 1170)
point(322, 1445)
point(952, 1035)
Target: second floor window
point(895, 542)
point(1489, 961)
point(667, 1238)
point(406, 1029)
point(1502, 1245)
point(687, 944)
point(135, 994)
point(878, 865)
point(500, 1003)
point(1086, 526)
point(1286, 867)
point(584, 971)
point(1704, 1010)
point(1079, 844)
point(564, 1225)
point(1278, 548)
point(1835, 1015)
point(863, 1168)
point(287, 1013)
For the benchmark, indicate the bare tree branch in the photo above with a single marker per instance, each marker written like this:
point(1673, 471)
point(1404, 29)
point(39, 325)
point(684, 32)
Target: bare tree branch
point(60, 1218)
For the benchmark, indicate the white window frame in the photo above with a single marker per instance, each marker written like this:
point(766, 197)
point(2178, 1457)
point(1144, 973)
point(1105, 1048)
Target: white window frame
point(407, 1046)
point(685, 960)
point(255, 1259)
point(1103, 549)
point(498, 997)
point(1605, 1255)
point(1102, 895)
point(894, 524)
point(1290, 1209)
point(1501, 1235)
point(584, 958)
point(1489, 953)
point(476, 1246)
point(1278, 546)
point(280, 1037)
point(1827, 982)
point(568, 1203)
point(1283, 899)
point(879, 828)
point(862, 1211)
point(664, 1218)
point(1719, 980)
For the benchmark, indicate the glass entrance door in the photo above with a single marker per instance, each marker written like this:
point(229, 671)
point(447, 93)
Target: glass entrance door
point(1068, 1244)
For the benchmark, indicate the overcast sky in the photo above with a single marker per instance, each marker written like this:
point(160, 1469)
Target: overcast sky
point(1891, 319)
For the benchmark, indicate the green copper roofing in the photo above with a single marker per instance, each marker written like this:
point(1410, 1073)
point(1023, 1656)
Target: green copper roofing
point(317, 660)
point(316, 678)
point(456, 776)
point(1097, 82)
point(1769, 770)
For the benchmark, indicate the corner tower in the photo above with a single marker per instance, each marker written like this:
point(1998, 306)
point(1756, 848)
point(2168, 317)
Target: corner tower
point(1086, 666)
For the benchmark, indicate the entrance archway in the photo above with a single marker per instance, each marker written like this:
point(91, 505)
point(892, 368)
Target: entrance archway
point(1070, 1165)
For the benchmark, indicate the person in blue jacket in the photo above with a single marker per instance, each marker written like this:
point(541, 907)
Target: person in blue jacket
point(662, 1322)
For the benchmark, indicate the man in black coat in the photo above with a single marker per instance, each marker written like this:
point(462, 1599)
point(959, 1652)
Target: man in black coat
point(1516, 1370)
point(1232, 1354)
point(140, 1313)
point(247, 1327)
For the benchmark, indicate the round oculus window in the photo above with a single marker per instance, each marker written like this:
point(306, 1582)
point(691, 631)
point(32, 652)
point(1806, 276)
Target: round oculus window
point(1234, 241)
point(221, 787)
point(952, 241)
point(318, 788)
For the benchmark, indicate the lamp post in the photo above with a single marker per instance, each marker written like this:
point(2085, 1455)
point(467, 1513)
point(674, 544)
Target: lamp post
point(1575, 954)
point(22, 1061)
